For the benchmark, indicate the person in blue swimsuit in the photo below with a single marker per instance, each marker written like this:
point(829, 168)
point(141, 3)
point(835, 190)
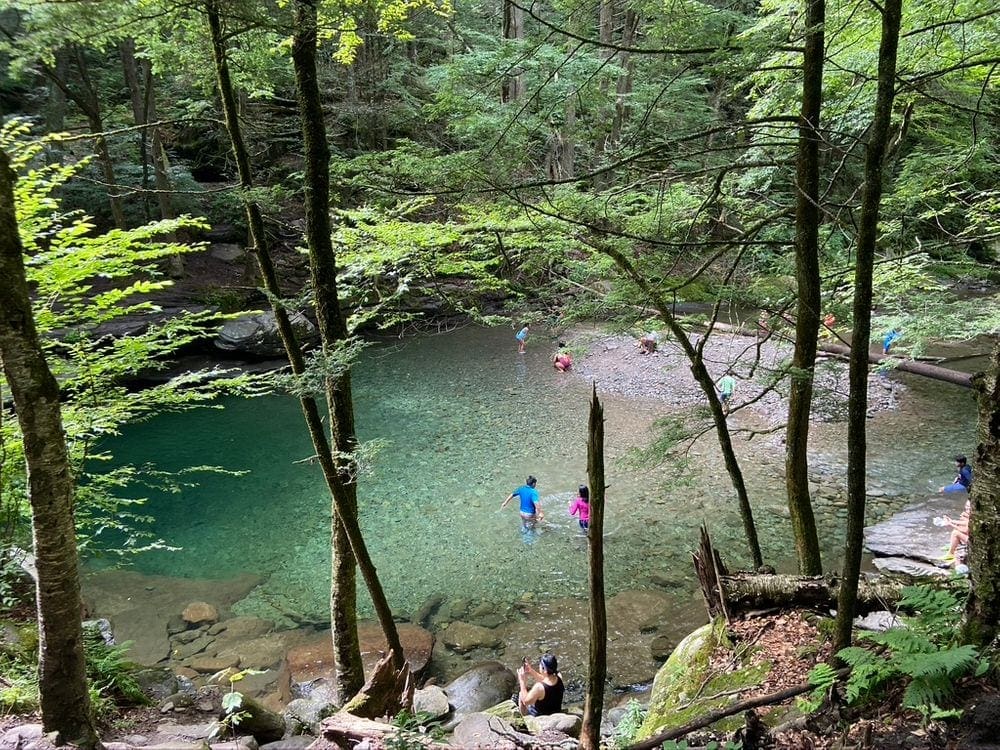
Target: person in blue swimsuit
point(963, 480)
point(890, 338)
point(531, 510)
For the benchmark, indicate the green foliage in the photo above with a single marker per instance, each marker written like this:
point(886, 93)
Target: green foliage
point(923, 652)
point(415, 731)
point(84, 281)
point(627, 729)
point(110, 671)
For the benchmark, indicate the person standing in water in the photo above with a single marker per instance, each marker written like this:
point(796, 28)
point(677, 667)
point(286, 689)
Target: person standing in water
point(581, 507)
point(522, 337)
point(889, 339)
point(530, 508)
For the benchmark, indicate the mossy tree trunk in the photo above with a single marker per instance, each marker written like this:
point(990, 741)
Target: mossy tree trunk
point(350, 674)
point(983, 607)
point(333, 328)
point(590, 733)
point(62, 675)
point(857, 409)
point(807, 314)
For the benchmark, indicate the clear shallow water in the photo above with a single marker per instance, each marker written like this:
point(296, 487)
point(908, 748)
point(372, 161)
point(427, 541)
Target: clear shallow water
point(462, 419)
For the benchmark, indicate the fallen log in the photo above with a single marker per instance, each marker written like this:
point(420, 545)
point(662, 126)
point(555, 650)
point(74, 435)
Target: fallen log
point(943, 374)
point(729, 594)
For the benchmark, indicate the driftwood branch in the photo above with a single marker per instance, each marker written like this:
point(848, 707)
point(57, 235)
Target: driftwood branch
point(347, 730)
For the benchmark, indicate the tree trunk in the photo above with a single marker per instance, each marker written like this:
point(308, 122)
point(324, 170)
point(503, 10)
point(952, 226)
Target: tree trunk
point(704, 380)
point(139, 79)
point(857, 408)
point(807, 218)
point(310, 408)
point(624, 86)
point(590, 733)
point(331, 323)
point(55, 110)
point(982, 610)
point(513, 28)
point(62, 676)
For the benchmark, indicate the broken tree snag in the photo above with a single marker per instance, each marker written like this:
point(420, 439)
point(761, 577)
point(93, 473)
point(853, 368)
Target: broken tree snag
point(708, 566)
point(387, 692)
point(746, 591)
point(344, 730)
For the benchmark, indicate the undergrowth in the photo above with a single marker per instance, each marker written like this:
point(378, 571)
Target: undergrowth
point(924, 652)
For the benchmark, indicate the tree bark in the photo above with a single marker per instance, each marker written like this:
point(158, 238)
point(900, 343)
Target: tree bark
point(331, 323)
point(982, 612)
point(90, 104)
point(807, 218)
point(512, 28)
point(350, 674)
point(62, 677)
point(590, 733)
point(857, 406)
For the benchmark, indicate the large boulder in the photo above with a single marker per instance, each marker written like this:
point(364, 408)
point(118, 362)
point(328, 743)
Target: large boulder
point(257, 334)
point(431, 701)
point(568, 724)
point(199, 613)
point(482, 686)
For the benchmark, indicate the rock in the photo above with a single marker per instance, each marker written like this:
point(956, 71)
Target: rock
point(911, 532)
point(475, 730)
point(427, 609)
point(432, 701)
point(295, 742)
point(257, 334)
point(213, 664)
point(878, 621)
point(188, 635)
point(482, 686)
point(176, 625)
point(907, 568)
point(661, 647)
point(240, 743)
point(102, 626)
point(156, 682)
point(264, 652)
point(268, 682)
point(303, 715)
point(265, 725)
point(981, 723)
point(184, 651)
point(568, 724)
point(18, 737)
point(464, 637)
point(243, 627)
point(198, 613)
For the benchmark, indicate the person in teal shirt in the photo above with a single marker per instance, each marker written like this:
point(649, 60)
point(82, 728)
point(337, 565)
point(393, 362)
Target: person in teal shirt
point(531, 510)
point(727, 386)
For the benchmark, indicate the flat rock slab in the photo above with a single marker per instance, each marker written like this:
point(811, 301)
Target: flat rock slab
point(904, 566)
point(911, 532)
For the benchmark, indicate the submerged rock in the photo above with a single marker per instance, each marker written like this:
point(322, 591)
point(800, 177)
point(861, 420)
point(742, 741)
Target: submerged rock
point(257, 334)
point(463, 637)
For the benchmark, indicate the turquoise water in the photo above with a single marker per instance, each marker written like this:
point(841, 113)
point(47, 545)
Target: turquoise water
point(460, 420)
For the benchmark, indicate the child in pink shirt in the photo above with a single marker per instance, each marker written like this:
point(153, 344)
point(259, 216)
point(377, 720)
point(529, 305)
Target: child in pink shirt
point(581, 507)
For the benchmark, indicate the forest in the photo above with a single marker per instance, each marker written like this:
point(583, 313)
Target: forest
point(792, 206)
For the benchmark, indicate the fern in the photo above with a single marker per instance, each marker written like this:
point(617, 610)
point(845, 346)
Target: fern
point(922, 652)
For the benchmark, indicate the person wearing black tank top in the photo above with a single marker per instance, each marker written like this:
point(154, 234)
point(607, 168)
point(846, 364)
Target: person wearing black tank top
point(546, 695)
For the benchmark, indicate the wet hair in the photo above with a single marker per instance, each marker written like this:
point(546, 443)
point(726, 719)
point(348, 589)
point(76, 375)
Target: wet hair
point(549, 663)
point(961, 459)
point(584, 492)
point(531, 481)
point(561, 344)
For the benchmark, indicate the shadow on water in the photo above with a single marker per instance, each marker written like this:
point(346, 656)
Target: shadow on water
point(461, 419)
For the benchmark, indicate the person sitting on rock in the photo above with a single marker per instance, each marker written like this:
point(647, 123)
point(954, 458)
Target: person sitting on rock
point(546, 695)
point(963, 480)
point(959, 533)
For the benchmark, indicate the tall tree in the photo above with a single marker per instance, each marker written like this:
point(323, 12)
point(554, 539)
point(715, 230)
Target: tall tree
point(62, 677)
point(857, 410)
point(982, 615)
point(346, 535)
point(807, 219)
